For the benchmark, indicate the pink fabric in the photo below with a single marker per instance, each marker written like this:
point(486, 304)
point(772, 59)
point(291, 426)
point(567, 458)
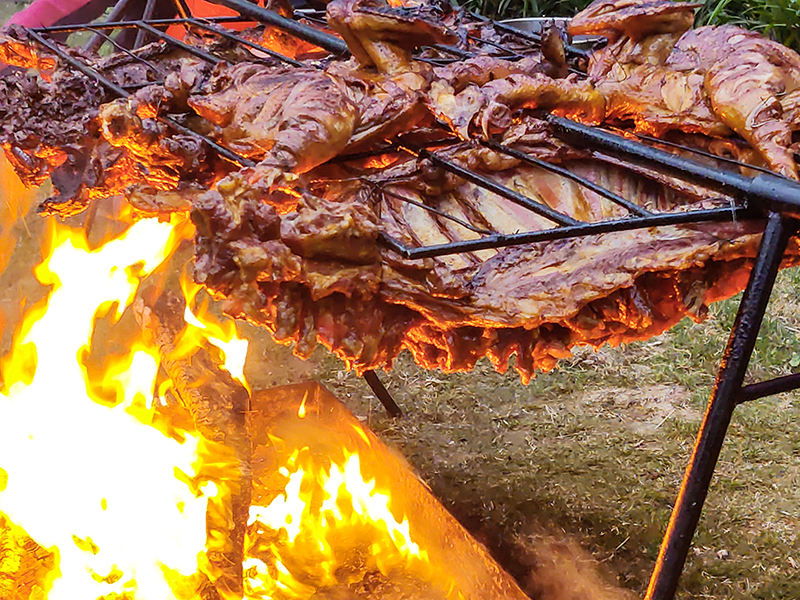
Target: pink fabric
point(46, 12)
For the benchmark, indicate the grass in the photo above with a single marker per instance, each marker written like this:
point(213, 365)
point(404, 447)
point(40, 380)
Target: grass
point(779, 19)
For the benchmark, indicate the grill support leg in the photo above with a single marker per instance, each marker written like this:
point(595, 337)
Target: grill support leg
point(376, 385)
point(694, 488)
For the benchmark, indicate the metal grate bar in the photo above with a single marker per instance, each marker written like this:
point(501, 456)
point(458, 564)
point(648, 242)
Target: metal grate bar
point(146, 15)
point(95, 42)
point(559, 233)
point(324, 40)
point(124, 50)
point(598, 189)
point(131, 24)
point(178, 43)
point(486, 183)
point(122, 93)
point(496, 45)
point(729, 161)
point(436, 211)
point(231, 36)
point(529, 35)
point(769, 191)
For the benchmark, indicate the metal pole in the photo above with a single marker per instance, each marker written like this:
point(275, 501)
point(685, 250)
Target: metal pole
point(305, 32)
point(147, 14)
point(96, 41)
point(694, 489)
point(376, 385)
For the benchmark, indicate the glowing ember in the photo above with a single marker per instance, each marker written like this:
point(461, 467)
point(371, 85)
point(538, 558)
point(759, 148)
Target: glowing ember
point(90, 482)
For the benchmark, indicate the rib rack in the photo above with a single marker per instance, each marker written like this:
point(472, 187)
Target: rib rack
point(764, 197)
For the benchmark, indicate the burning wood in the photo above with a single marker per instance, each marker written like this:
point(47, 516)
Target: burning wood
point(148, 493)
point(291, 240)
point(335, 514)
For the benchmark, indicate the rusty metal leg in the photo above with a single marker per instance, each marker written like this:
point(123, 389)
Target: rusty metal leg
point(376, 385)
point(692, 495)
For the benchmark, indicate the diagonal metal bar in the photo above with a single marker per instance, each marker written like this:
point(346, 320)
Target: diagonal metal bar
point(766, 191)
point(122, 93)
point(176, 42)
point(529, 35)
point(501, 190)
point(183, 9)
point(124, 50)
point(436, 211)
point(694, 489)
point(768, 388)
point(376, 385)
point(324, 40)
point(147, 14)
point(560, 233)
point(96, 41)
point(240, 40)
point(726, 160)
point(598, 189)
point(129, 24)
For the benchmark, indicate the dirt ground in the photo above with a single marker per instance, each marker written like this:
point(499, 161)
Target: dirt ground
point(570, 480)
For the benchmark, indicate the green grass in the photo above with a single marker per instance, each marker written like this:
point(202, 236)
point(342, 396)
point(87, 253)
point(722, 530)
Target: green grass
point(780, 19)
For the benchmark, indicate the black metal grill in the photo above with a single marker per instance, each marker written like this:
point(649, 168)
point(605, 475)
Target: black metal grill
point(766, 195)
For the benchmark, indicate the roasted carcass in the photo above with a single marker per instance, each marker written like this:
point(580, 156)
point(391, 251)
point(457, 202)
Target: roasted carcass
point(294, 240)
point(711, 80)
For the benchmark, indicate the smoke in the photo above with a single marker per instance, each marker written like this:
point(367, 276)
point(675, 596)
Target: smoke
point(557, 568)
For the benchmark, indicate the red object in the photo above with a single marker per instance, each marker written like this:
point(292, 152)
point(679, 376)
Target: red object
point(43, 13)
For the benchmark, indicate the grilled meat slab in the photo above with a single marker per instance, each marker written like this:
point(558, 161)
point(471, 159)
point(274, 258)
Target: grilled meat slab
point(710, 80)
point(318, 274)
point(294, 243)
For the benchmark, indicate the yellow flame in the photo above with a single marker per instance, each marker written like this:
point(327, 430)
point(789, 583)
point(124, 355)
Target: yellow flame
point(322, 515)
point(89, 481)
point(202, 325)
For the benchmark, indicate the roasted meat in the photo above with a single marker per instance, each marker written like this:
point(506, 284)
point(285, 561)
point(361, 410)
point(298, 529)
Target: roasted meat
point(318, 273)
point(710, 80)
point(298, 241)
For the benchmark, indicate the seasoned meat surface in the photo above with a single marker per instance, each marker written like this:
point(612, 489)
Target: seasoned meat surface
point(298, 235)
point(712, 80)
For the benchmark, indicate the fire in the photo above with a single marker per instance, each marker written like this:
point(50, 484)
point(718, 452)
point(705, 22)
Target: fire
point(222, 334)
point(323, 514)
point(112, 500)
point(112, 490)
point(335, 514)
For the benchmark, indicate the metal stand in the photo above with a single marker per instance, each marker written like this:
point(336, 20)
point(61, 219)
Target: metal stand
point(728, 392)
point(376, 385)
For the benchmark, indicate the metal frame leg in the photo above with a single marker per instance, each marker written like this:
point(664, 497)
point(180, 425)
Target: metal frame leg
point(725, 397)
point(376, 385)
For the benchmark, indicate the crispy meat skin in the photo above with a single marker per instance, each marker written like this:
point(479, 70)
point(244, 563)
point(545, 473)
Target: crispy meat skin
point(292, 243)
point(317, 274)
point(708, 80)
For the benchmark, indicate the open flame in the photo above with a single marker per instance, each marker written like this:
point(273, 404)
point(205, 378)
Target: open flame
point(75, 471)
point(112, 490)
point(113, 501)
point(335, 514)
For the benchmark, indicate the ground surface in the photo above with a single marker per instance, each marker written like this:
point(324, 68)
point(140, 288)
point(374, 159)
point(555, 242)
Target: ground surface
point(570, 480)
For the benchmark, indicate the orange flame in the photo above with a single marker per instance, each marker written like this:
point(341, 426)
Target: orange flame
point(112, 499)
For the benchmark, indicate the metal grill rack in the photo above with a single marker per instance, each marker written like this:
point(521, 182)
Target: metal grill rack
point(765, 196)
